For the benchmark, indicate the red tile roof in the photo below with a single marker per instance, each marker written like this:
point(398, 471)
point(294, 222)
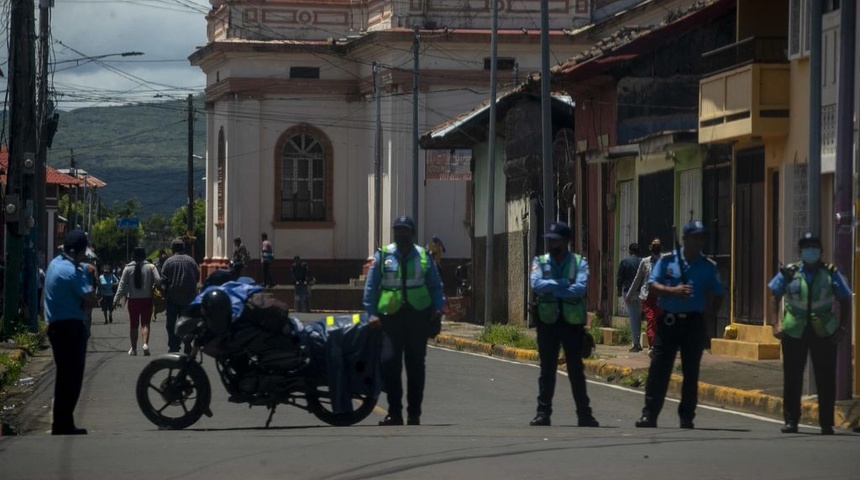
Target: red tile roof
point(52, 176)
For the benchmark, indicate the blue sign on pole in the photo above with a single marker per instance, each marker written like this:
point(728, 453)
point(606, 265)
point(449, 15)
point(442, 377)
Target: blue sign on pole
point(128, 223)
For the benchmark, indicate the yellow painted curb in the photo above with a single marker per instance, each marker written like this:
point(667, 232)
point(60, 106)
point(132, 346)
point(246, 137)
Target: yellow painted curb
point(464, 344)
point(727, 397)
point(516, 353)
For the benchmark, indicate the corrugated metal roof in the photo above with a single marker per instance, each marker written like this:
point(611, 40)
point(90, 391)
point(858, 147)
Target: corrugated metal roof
point(630, 41)
point(444, 129)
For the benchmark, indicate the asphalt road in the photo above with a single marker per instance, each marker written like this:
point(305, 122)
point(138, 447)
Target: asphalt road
point(476, 417)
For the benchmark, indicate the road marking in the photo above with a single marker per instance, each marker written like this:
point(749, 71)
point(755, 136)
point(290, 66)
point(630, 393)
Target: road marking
point(631, 390)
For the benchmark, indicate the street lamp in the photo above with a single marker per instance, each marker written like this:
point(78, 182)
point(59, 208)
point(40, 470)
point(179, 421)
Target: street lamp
point(88, 58)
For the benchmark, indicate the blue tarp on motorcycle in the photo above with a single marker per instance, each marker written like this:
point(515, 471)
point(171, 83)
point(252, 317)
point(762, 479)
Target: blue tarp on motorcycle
point(349, 352)
point(239, 293)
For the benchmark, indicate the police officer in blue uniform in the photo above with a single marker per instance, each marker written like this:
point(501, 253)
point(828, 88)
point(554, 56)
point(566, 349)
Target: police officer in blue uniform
point(403, 296)
point(690, 289)
point(69, 295)
point(809, 327)
point(559, 280)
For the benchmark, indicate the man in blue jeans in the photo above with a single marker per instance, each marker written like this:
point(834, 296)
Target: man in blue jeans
point(180, 276)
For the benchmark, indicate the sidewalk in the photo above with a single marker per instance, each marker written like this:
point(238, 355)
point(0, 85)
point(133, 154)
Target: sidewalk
point(749, 386)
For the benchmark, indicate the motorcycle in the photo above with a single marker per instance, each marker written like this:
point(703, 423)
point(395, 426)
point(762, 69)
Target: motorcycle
point(263, 357)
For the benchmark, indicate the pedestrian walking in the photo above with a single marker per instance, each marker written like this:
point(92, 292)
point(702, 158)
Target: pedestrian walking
point(559, 280)
point(108, 283)
point(627, 269)
point(690, 289)
point(158, 293)
point(650, 308)
point(403, 296)
point(301, 277)
point(68, 295)
point(239, 259)
point(136, 283)
point(180, 276)
point(92, 279)
point(809, 327)
point(436, 248)
point(267, 256)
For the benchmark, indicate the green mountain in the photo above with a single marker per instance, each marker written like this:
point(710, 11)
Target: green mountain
point(140, 151)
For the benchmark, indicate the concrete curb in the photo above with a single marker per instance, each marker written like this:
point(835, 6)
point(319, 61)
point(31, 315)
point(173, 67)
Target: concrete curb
point(750, 401)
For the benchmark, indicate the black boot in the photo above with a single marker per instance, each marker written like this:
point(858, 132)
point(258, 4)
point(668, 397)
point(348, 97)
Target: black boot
point(540, 420)
point(391, 421)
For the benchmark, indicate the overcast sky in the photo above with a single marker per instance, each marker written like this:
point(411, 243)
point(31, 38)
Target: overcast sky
point(166, 31)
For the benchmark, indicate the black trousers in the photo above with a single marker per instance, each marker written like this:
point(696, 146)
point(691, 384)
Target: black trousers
point(550, 338)
point(823, 353)
point(404, 339)
point(69, 343)
point(302, 298)
point(267, 274)
point(688, 335)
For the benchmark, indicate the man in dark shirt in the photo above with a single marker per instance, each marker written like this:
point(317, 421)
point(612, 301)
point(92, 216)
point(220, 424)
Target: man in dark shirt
point(626, 273)
point(180, 276)
point(301, 276)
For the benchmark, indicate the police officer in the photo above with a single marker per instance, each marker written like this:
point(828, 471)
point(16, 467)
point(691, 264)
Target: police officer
point(403, 296)
point(68, 296)
point(809, 325)
point(559, 280)
point(689, 288)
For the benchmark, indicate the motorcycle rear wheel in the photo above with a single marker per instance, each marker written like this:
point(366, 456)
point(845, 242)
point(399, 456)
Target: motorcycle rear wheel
point(169, 400)
point(319, 404)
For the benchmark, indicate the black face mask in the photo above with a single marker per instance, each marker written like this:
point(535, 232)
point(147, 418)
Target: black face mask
point(557, 251)
point(656, 249)
point(403, 241)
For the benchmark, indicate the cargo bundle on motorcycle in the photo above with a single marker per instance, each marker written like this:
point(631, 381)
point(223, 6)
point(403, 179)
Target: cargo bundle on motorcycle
point(263, 357)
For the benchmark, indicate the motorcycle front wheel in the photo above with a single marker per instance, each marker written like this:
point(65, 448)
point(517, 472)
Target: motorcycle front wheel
point(173, 394)
point(319, 404)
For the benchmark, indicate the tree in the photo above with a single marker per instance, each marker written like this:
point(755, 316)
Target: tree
point(129, 209)
point(112, 244)
point(63, 208)
point(158, 232)
point(180, 226)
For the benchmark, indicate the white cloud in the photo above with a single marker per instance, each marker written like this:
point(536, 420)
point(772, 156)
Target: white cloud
point(166, 31)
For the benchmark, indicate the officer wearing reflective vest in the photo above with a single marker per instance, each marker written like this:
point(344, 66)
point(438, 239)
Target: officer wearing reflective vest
point(559, 279)
point(403, 296)
point(809, 326)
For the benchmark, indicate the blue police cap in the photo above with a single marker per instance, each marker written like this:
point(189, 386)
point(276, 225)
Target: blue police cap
point(558, 231)
point(694, 227)
point(404, 222)
point(75, 242)
point(809, 239)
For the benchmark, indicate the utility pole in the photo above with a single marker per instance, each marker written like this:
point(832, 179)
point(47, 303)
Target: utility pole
point(18, 202)
point(190, 213)
point(73, 174)
point(377, 161)
point(416, 44)
point(40, 244)
point(814, 170)
point(844, 191)
point(489, 263)
point(814, 167)
point(546, 117)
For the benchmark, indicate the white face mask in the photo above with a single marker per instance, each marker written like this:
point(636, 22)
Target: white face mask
point(810, 254)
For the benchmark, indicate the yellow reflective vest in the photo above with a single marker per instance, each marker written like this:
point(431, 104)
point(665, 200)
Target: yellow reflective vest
point(805, 302)
point(396, 287)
